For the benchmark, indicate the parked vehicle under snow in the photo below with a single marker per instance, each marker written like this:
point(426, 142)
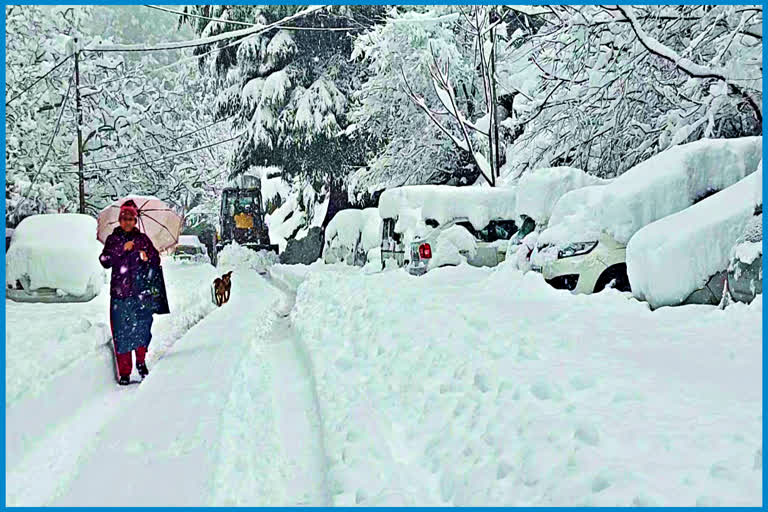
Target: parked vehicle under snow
point(584, 247)
point(432, 225)
point(54, 258)
point(351, 236)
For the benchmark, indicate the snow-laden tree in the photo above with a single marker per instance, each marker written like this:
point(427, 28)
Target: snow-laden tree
point(287, 89)
point(38, 42)
point(615, 85)
point(142, 121)
point(406, 146)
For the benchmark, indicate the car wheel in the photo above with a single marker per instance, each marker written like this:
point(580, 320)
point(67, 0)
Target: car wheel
point(616, 274)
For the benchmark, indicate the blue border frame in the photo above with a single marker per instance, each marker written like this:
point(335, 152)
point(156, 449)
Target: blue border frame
point(353, 2)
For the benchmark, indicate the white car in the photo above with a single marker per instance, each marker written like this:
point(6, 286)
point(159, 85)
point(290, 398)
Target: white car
point(190, 250)
point(584, 267)
point(584, 247)
point(450, 243)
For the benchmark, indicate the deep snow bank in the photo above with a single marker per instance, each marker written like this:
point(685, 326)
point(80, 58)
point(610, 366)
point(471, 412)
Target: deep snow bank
point(57, 251)
point(487, 387)
point(672, 257)
point(235, 256)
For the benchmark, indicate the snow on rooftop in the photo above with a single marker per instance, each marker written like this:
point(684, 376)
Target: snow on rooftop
point(660, 186)
point(443, 203)
point(672, 257)
point(57, 251)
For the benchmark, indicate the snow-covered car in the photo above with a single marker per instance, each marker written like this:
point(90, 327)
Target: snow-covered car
point(685, 257)
point(584, 247)
point(190, 250)
point(457, 241)
point(537, 194)
point(54, 258)
point(426, 226)
point(8, 237)
point(352, 237)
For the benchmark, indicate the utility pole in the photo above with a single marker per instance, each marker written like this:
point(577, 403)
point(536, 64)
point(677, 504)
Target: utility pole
point(494, 99)
point(80, 177)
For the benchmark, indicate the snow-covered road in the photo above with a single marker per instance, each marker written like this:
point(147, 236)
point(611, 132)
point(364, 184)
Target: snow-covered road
point(322, 385)
point(480, 387)
point(226, 417)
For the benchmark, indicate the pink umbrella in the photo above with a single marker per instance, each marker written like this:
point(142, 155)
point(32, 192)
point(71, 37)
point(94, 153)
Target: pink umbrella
point(156, 219)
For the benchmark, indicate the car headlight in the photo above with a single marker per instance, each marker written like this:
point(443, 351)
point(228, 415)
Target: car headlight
point(576, 249)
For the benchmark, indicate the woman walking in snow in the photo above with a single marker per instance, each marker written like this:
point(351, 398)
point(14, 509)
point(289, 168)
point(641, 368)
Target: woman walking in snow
point(133, 258)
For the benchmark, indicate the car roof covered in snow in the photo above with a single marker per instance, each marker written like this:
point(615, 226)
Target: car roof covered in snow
point(669, 259)
point(192, 240)
point(443, 203)
point(666, 183)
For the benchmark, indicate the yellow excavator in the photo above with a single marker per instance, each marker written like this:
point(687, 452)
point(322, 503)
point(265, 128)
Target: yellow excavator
point(242, 220)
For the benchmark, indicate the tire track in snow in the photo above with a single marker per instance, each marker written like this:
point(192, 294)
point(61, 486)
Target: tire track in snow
point(273, 453)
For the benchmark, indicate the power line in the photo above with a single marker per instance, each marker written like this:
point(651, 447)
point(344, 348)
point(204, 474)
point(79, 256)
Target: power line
point(38, 80)
point(257, 29)
point(233, 22)
point(41, 166)
point(174, 155)
point(142, 150)
point(200, 17)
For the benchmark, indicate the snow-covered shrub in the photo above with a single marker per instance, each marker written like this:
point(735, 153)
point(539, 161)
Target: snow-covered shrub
point(520, 255)
point(672, 257)
point(58, 251)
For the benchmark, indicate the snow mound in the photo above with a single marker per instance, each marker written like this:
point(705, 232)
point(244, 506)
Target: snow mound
point(57, 251)
point(450, 245)
point(538, 190)
point(351, 230)
point(520, 255)
point(660, 186)
point(235, 256)
point(443, 203)
point(670, 258)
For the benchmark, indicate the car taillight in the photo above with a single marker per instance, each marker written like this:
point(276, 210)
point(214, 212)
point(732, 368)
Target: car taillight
point(425, 251)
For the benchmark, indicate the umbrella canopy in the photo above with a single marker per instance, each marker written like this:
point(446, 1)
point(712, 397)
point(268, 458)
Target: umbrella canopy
point(156, 219)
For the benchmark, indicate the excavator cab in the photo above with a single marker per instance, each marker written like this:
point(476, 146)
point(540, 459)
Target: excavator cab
point(242, 220)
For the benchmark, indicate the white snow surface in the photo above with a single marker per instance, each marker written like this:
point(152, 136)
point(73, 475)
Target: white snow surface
point(672, 257)
point(665, 184)
point(443, 203)
point(56, 251)
point(433, 393)
point(226, 417)
point(539, 189)
point(237, 258)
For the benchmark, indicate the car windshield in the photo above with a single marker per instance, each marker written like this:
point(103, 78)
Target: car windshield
point(188, 249)
point(497, 230)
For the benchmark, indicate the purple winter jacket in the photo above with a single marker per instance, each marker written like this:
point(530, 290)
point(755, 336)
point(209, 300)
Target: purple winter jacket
point(124, 263)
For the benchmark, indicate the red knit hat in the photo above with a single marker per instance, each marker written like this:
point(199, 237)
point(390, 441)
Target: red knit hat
point(129, 208)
